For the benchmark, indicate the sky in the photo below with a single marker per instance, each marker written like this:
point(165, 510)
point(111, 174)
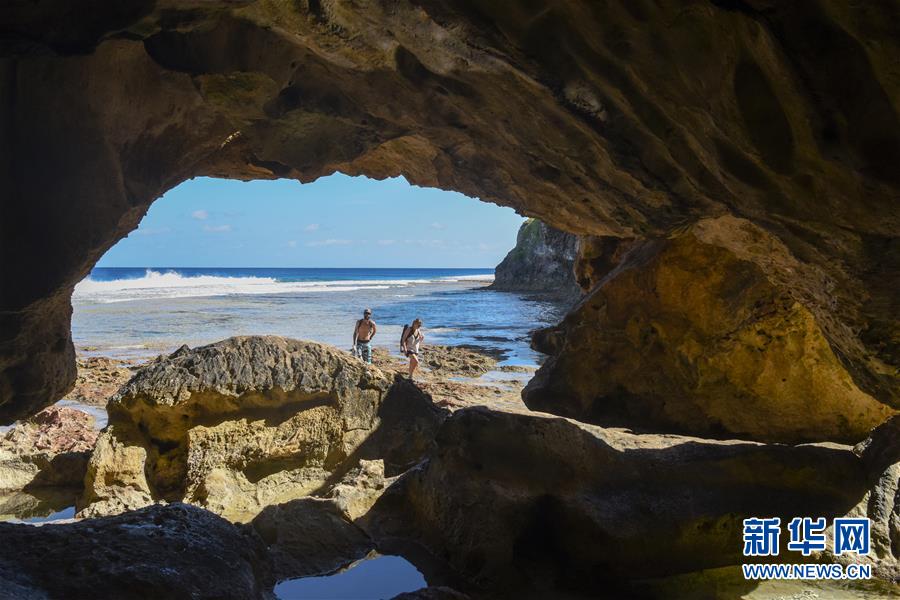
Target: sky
point(336, 221)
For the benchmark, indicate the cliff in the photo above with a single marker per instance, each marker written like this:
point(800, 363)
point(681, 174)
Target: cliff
point(542, 261)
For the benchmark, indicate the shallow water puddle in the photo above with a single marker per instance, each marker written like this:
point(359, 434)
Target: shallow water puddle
point(65, 513)
point(378, 578)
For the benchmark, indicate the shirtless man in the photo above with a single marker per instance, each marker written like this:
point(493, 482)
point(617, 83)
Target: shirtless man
point(362, 334)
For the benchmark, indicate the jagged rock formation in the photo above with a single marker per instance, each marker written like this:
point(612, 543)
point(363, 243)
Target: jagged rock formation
point(880, 453)
point(249, 422)
point(707, 333)
point(173, 551)
point(542, 261)
point(584, 508)
point(98, 379)
point(48, 450)
point(623, 119)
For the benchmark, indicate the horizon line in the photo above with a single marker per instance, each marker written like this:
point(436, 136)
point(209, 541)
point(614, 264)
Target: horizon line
point(270, 267)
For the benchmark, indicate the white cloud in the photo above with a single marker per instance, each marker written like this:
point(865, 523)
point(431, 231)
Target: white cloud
point(292, 243)
point(425, 243)
point(437, 225)
point(311, 227)
point(386, 242)
point(217, 228)
point(200, 215)
point(330, 242)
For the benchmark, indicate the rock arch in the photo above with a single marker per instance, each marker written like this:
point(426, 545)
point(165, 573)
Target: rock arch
point(601, 119)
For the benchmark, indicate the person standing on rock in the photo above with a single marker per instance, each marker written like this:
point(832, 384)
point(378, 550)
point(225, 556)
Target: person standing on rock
point(362, 336)
point(409, 344)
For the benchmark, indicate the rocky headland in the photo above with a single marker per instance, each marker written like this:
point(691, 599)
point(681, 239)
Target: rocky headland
point(541, 262)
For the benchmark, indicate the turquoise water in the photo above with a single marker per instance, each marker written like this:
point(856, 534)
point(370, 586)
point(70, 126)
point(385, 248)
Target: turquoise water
point(370, 579)
point(142, 312)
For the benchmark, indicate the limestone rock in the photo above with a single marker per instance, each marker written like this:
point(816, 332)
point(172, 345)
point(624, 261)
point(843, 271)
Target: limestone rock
point(115, 480)
point(542, 261)
point(48, 450)
point(309, 537)
point(703, 333)
point(98, 379)
point(250, 422)
point(355, 494)
point(880, 453)
point(579, 506)
point(175, 551)
point(628, 119)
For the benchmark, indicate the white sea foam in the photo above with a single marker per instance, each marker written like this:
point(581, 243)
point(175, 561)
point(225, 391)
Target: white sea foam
point(155, 284)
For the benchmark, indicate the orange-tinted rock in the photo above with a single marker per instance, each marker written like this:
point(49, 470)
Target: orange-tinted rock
point(607, 119)
point(703, 334)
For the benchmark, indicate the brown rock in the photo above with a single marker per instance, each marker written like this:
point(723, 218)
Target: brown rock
point(644, 118)
point(309, 537)
point(581, 507)
point(98, 379)
point(704, 334)
point(173, 551)
point(249, 422)
point(48, 450)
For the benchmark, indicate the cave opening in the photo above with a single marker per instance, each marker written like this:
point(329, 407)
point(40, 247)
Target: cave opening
point(216, 258)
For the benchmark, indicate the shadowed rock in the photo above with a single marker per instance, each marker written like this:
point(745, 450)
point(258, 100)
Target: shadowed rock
point(579, 507)
point(542, 262)
point(174, 551)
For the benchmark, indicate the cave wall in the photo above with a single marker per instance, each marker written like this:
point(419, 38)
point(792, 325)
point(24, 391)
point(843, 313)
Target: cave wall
point(630, 120)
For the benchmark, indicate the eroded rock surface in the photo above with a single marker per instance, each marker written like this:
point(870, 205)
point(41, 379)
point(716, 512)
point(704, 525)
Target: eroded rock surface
point(606, 119)
point(248, 422)
point(98, 379)
point(48, 450)
point(175, 551)
point(580, 507)
point(542, 261)
point(707, 333)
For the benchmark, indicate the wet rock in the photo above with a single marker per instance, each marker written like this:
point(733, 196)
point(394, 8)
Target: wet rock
point(98, 379)
point(707, 333)
point(250, 422)
point(578, 506)
point(48, 450)
point(175, 551)
point(541, 262)
point(309, 537)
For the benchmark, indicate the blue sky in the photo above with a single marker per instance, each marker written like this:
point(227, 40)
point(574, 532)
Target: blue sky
point(336, 221)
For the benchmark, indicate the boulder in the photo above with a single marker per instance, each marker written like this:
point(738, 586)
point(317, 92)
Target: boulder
point(706, 333)
point(175, 551)
point(310, 537)
point(579, 507)
point(48, 450)
point(250, 422)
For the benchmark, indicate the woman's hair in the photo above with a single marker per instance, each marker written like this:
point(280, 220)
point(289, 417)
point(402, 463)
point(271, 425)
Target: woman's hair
point(417, 320)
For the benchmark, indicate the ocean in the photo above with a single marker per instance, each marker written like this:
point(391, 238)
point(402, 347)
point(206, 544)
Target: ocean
point(139, 313)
